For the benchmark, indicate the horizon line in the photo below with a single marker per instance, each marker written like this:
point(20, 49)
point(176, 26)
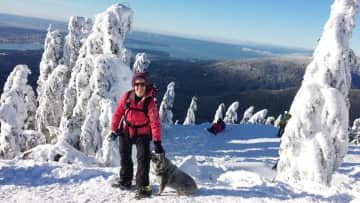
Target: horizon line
point(185, 36)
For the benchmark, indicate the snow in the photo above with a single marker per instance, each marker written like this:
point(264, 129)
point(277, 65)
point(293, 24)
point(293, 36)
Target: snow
point(277, 121)
point(315, 139)
point(247, 114)
point(50, 107)
point(270, 120)
point(50, 57)
point(142, 62)
point(234, 166)
point(97, 81)
point(17, 111)
point(78, 30)
point(165, 113)
point(219, 114)
point(259, 117)
point(78, 93)
point(190, 115)
point(231, 115)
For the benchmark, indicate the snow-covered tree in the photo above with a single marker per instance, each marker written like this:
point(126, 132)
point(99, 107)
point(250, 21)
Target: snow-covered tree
point(277, 121)
point(220, 111)
point(98, 79)
point(17, 110)
point(247, 114)
point(190, 116)
point(126, 56)
point(270, 120)
point(79, 29)
point(231, 113)
point(142, 62)
point(315, 139)
point(355, 132)
point(165, 113)
point(50, 107)
point(259, 117)
point(50, 57)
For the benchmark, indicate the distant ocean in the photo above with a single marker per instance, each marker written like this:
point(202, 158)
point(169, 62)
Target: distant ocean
point(184, 48)
point(21, 46)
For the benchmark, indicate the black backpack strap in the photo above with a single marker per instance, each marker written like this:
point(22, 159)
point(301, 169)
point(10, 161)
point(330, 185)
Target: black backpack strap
point(146, 105)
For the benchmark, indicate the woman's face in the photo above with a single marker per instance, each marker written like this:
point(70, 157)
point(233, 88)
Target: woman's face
point(140, 87)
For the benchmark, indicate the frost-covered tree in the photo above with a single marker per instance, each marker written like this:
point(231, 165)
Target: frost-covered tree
point(247, 114)
point(315, 139)
point(17, 110)
point(126, 55)
point(50, 57)
point(79, 29)
point(355, 132)
point(259, 117)
point(219, 114)
point(277, 121)
point(165, 113)
point(270, 120)
point(50, 107)
point(231, 113)
point(98, 78)
point(142, 62)
point(190, 116)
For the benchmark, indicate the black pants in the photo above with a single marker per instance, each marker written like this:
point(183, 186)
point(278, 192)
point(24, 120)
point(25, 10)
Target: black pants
point(143, 159)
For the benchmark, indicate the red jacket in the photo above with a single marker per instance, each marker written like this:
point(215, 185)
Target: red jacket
point(138, 117)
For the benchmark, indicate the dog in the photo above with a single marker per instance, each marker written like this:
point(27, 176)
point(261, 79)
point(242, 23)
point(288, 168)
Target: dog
point(168, 174)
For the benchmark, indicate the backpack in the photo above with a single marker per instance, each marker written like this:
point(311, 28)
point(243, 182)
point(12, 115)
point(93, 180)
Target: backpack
point(144, 109)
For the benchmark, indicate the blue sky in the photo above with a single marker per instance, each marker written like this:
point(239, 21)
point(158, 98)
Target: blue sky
point(274, 22)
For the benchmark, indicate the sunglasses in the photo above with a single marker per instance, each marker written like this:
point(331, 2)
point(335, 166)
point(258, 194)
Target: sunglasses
point(142, 84)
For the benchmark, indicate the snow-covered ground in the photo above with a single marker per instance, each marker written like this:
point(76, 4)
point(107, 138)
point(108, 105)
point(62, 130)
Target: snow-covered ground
point(234, 166)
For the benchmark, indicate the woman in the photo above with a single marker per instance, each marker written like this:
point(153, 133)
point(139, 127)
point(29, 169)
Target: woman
point(137, 119)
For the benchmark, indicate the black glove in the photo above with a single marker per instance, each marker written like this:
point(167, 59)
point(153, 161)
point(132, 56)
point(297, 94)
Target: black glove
point(112, 136)
point(158, 147)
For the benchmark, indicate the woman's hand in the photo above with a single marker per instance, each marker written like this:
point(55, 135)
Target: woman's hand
point(158, 147)
point(112, 136)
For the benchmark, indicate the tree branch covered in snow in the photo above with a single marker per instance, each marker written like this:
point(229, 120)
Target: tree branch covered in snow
point(50, 107)
point(79, 29)
point(98, 79)
point(165, 113)
point(219, 114)
point(316, 137)
point(50, 57)
point(142, 62)
point(231, 114)
point(247, 115)
point(277, 121)
point(270, 120)
point(259, 117)
point(190, 116)
point(17, 111)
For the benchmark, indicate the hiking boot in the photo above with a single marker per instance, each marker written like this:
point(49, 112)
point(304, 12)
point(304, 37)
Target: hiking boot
point(123, 185)
point(142, 192)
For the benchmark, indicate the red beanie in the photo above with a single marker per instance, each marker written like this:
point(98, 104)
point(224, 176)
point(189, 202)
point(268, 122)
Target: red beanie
point(137, 76)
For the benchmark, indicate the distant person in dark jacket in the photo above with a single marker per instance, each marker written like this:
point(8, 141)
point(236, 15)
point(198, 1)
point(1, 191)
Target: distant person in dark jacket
point(283, 122)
